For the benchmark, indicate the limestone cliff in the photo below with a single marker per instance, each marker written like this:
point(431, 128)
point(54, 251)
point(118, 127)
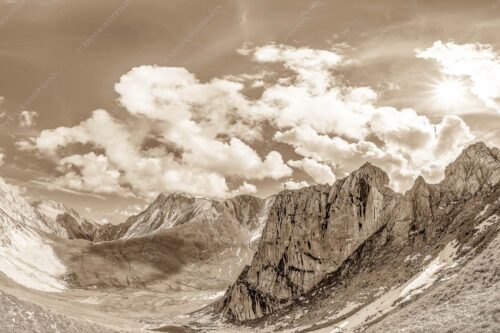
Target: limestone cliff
point(308, 234)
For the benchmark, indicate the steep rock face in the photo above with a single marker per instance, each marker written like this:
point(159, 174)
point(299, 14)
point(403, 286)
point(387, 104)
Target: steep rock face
point(165, 212)
point(426, 246)
point(475, 172)
point(308, 234)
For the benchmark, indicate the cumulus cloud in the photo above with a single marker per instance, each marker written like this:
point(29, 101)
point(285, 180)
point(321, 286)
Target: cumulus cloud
point(320, 173)
point(181, 134)
point(27, 118)
point(245, 188)
point(177, 97)
point(88, 172)
point(311, 65)
point(478, 63)
point(294, 185)
point(2, 156)
point(402, 160)
point(201, 166)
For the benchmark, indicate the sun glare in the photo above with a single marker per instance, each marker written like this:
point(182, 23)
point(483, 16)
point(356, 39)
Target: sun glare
point(449, 92)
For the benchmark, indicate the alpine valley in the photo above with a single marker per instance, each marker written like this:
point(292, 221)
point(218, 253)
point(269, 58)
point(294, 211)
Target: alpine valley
point(352, 257)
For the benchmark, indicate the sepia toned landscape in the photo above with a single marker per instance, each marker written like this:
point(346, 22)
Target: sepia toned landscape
point(249, 166)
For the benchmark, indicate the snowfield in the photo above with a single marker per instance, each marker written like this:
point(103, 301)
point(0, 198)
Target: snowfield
point(25, 256)
point(28, 260)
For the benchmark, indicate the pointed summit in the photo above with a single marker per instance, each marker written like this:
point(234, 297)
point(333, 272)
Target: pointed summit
point(168, 210)
point(419, 184)
point(370, 174)
point(476, 147)
point(477, 168)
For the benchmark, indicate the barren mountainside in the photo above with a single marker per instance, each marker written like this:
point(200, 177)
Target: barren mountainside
point(355, 256)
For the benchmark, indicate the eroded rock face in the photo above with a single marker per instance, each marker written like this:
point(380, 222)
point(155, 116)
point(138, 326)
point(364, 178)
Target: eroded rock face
point(311, 232)
point(308, 235)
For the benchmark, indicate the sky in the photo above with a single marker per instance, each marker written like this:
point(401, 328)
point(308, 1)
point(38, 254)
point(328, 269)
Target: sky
point(105, 104)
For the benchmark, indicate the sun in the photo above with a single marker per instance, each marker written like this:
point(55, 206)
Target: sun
point(449, 92)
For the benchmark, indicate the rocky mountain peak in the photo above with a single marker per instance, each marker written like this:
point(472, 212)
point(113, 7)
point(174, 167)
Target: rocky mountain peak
point(476, 169)
point(168, 210)
point(177, 197)
point(162, 197)
point(51, 208)
point(419, 185)
point(309, 232)
point(6, 190)
point(372, 175)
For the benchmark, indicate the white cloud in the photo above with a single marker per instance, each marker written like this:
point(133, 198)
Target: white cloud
point(245, 188)
point(311, 65)
point(403, 160)
point(87, 173)
point(177, 97)
point(127, 167)
point(2, 156)
point(293, 185)
point(27, 118)
point(320, 173)
point(478, 63)
point(181, 134)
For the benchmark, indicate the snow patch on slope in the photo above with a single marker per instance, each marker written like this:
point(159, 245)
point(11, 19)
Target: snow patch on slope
point(423, 281)
point(429, 275)
point(28, 260)
point(493, 219)
point(262, 219)
point(24, 256)
point(483, 211)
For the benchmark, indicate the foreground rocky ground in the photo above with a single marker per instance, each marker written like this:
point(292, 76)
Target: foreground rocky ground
point(18, 316)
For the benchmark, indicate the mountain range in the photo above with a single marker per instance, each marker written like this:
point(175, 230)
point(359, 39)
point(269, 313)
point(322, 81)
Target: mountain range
point(351, 257)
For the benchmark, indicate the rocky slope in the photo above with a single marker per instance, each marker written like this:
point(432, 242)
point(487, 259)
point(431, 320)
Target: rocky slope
point(47, 246)
point(359, 241)
point(216, 240)
point(166, 212)
point(171, 210)
point(17, 316)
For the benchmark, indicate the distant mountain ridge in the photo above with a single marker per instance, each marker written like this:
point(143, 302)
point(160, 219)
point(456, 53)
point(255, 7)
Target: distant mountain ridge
point(147, 247)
